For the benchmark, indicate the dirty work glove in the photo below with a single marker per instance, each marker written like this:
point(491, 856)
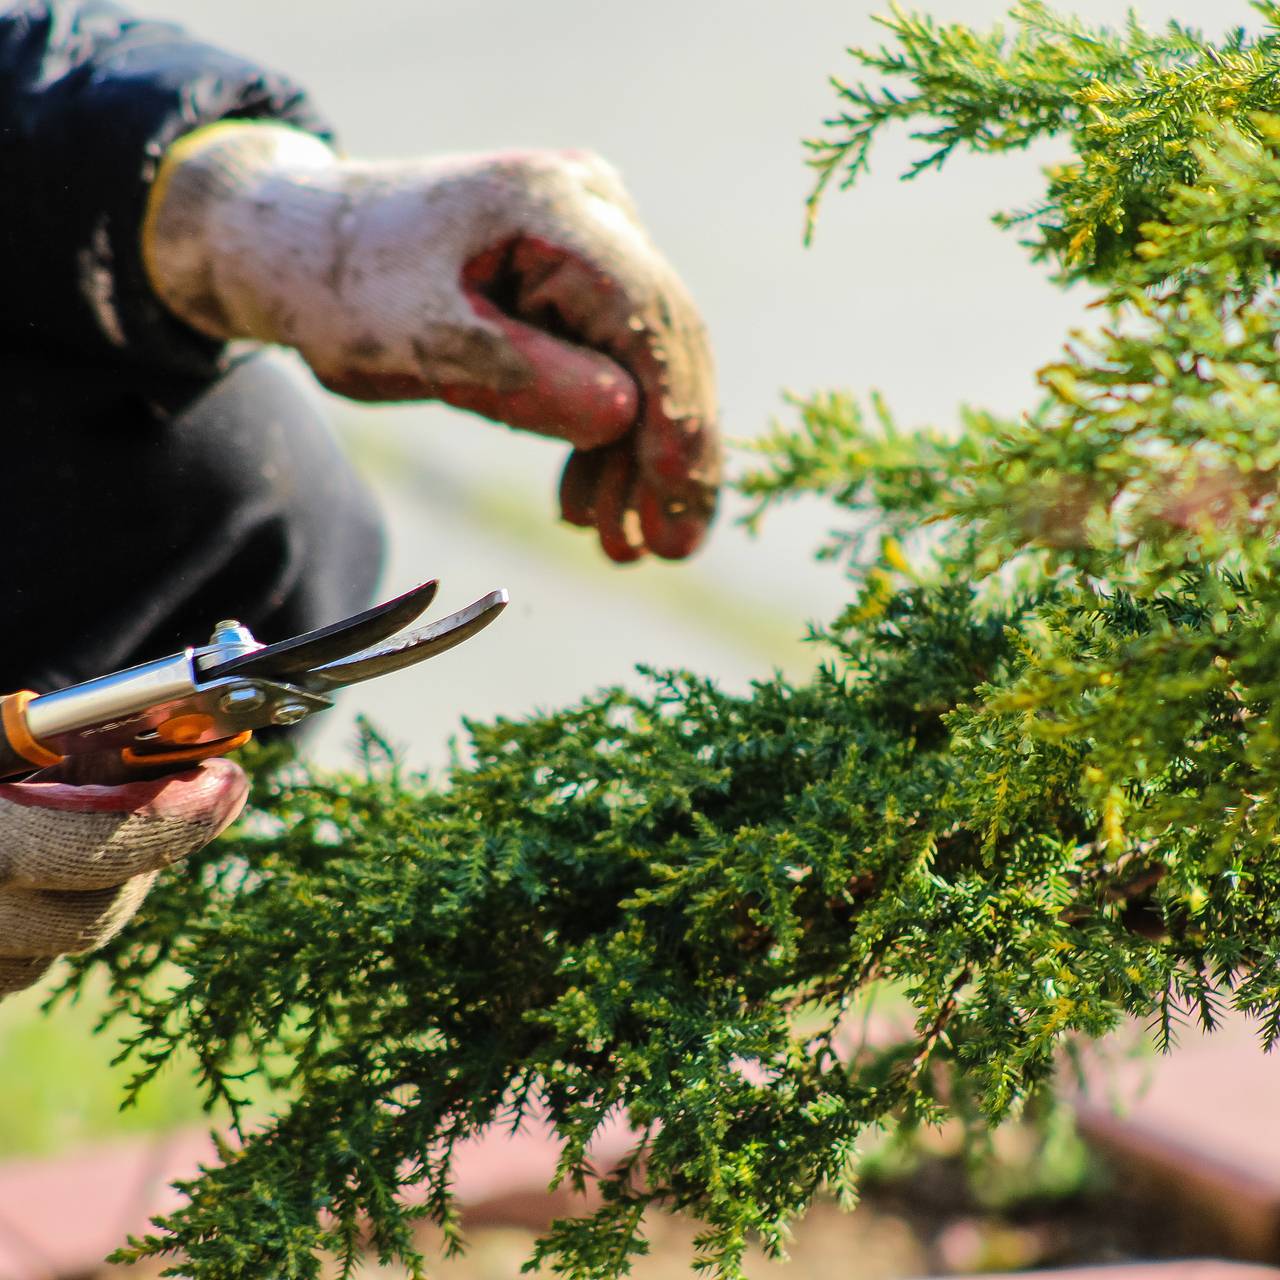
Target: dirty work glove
point(76, 861)
point(520, 286)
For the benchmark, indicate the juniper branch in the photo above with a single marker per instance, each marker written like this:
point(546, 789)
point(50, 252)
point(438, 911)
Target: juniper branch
point(1034, 786)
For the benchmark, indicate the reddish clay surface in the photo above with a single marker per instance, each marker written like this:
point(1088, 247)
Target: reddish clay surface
point(60, 1217)
point(1200, 1129)
point(1194, 1269)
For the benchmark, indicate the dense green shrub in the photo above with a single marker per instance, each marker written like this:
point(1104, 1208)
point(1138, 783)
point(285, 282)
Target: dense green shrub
point(1034, 785)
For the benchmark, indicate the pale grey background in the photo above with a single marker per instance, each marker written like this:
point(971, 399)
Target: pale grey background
point(908, 289)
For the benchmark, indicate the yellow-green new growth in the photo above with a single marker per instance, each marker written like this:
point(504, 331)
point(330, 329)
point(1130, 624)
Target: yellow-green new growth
point(1036, 785)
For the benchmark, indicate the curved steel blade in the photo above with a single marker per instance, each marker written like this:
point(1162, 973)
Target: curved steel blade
point(302, 653)
point(414, 646)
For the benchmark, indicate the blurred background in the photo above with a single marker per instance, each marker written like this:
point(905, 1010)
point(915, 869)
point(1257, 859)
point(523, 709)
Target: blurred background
point(907, 289)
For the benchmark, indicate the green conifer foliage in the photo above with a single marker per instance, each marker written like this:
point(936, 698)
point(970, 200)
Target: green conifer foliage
point(1034, 785)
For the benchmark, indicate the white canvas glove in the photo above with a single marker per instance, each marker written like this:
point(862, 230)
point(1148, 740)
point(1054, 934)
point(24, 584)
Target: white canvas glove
point(77, 861)
point(520, 286)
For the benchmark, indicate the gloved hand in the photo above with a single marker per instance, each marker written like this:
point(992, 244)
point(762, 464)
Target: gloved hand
point(520, 286)
point(77, 861)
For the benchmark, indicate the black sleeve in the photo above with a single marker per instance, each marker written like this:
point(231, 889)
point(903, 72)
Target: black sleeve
point(90, 97)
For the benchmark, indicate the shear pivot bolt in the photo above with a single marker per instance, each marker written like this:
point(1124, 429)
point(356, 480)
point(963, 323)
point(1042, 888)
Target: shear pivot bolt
point(290, 713)
point(242, 698)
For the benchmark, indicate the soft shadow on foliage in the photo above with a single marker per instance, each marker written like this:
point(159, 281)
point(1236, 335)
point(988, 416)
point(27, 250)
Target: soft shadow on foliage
point(1034, 785)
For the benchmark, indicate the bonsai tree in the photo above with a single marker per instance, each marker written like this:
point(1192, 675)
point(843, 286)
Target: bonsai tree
point(1033, 785)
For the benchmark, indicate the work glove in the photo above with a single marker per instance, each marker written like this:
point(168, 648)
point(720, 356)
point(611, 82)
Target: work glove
point(77, 861)
point(520, 286)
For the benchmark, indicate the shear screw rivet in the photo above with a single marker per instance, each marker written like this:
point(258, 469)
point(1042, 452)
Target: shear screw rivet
point(243, 697)
point(290, 713)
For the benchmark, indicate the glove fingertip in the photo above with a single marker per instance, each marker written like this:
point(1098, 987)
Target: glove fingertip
point(671, 530)
point(616, 520)
point(225, 788)
point(578, 486)
point(619, 548)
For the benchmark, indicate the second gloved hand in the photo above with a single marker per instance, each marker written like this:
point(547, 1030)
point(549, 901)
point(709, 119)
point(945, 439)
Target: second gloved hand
point(520, 286)
point(77, 861)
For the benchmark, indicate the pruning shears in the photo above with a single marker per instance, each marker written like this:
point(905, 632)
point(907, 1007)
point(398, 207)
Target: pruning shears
point(207, 701)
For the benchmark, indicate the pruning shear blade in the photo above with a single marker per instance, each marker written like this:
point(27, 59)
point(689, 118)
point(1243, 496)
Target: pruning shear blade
point(304, 653)
point(414, 646)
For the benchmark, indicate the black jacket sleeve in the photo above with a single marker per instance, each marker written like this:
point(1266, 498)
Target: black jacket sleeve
point(89, 99)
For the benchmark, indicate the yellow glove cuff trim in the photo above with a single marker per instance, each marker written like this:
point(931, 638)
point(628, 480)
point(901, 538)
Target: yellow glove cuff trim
point(181, 152)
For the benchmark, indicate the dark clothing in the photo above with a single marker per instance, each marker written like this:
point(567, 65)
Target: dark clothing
point(153, 488)
point(147, 508)
point(89, 99)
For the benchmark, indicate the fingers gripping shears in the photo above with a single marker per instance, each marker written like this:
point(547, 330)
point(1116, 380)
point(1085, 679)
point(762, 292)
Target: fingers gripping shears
point(207, 701)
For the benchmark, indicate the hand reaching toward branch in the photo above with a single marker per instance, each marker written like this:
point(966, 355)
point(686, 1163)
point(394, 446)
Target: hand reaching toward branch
point(520, 286)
